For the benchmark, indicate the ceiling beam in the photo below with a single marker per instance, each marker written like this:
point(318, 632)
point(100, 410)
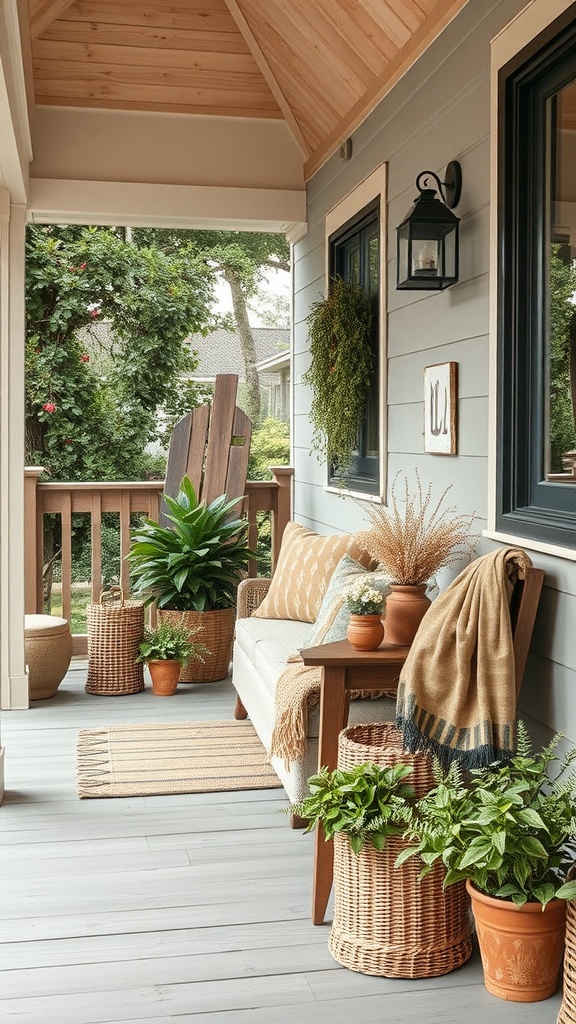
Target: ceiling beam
point(268, 74)
point(44, 12)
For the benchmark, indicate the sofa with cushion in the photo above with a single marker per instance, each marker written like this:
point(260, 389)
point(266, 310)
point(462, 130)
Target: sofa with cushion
point(300, 607)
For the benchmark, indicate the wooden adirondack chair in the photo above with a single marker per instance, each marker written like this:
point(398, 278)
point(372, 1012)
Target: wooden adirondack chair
point(211, 445)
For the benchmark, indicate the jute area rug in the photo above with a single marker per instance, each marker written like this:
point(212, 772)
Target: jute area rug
point(175, 757)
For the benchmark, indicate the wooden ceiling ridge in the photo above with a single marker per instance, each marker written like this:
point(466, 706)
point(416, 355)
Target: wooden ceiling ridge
point(269, 75)
point(44, 12)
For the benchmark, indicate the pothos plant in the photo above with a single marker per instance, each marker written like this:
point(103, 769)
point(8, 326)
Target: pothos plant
point(341, 370)
point(366, 803)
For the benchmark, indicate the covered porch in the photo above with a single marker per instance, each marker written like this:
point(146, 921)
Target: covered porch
point(186, 908)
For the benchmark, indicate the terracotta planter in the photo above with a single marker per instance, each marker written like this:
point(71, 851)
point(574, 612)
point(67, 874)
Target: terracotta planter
point(218, 635)
point(521, 947)
point(164, 675)
point(365, 632)
point(406, 606)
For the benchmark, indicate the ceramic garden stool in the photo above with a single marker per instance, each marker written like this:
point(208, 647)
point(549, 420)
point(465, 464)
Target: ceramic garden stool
point(48, 653)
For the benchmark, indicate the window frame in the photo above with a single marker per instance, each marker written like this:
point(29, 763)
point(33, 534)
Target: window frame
point(370, 189)
point(526, 504)
point(362, 473)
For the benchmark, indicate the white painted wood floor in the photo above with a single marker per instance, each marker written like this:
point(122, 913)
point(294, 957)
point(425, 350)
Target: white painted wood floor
point(176, 909)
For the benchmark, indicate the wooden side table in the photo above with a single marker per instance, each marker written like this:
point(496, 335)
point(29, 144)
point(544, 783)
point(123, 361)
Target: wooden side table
point(343, 669)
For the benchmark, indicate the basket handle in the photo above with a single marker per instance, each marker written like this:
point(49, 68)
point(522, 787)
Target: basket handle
point(112, 594)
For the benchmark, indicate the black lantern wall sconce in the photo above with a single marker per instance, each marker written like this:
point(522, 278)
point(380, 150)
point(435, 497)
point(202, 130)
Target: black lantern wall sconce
point(427, 238)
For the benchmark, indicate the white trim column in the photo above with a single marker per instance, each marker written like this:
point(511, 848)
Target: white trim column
point(13, 678)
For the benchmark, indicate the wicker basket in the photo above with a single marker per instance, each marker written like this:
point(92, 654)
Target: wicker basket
point(115, 630)
point(386, 921)
point(218, 635)
point(567, 1014)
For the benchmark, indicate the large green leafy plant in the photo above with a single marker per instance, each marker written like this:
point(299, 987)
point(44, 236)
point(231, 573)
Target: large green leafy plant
point(510, 830)
point(366, 803)
point(341, 370)
point(196, 563)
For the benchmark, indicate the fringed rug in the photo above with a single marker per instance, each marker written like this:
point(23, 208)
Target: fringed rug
point(175, 757)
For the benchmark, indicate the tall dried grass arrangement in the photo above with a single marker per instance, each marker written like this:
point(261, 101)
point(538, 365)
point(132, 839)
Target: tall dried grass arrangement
point(412, 539)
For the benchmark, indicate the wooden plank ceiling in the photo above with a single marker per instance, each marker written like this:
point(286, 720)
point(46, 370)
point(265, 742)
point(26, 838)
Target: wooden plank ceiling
point(320, 65)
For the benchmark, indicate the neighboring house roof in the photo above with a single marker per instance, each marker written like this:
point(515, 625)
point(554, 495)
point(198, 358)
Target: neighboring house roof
point(220, 352)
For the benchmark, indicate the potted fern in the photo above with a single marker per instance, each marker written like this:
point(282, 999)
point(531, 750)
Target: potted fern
point(508, 832)
point(191, 569)
point(165, 650)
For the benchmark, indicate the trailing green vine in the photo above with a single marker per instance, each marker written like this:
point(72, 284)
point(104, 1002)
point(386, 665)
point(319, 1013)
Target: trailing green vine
point(341, 370)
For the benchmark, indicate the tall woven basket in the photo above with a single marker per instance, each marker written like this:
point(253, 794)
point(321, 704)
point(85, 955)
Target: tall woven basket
point(567, 1014)
point(115, 630)
point(217, 633)
point(386, 921)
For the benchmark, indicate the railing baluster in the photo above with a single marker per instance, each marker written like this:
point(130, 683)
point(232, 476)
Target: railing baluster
point(96, 546)
point(66, 519)
point(124, 540)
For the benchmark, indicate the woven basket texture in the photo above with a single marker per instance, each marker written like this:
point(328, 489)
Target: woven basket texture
point(567, 1014)
point(218, 635)
point(115, 631)
point(386, 921)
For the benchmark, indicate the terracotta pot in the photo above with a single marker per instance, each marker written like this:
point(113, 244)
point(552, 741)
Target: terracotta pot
point(365, 632)
point(164, 675)
point(406, 606)
point(521, 947)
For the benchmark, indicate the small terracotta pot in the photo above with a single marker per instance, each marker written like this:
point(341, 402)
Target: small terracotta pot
point(164, 675)
point(521, 947)
point(365, 632)
point(406, 606)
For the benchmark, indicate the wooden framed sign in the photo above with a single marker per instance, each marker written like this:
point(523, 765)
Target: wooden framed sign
point(440, 401)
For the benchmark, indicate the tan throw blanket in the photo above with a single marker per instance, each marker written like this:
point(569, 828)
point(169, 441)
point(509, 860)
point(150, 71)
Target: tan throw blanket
point(297, 691)
point(457, 690)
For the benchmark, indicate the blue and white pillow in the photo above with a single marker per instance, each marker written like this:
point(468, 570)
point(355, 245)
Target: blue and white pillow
point(334, 616)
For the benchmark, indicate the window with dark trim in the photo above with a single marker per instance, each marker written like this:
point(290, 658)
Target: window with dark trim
point(355, 256)
point(536, 457)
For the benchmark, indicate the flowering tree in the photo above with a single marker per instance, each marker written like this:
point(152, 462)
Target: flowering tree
point(93, 393)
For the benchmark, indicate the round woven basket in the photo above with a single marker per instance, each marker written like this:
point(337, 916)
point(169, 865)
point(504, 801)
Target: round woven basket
point(567, 1014)
point(386, 921)
point(217, 633)
point(115, 631)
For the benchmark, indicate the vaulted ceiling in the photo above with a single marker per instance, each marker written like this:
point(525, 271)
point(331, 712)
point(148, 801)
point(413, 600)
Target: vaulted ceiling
point(320, 65)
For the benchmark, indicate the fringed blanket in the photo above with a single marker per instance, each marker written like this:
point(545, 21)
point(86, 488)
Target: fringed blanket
point(457, 689)
point(297, 691)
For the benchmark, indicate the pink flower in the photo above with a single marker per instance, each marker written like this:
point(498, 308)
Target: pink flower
point(49, 407)
point(94, 312)
point(85, 358)
point(68, 440)
point(82, 266)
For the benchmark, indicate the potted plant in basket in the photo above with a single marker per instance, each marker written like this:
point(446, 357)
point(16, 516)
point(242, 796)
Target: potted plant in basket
point(412, 539)
point(509, 833)
point(365, 603)
point(194, 567)
point(386, 922)
point(165, 650)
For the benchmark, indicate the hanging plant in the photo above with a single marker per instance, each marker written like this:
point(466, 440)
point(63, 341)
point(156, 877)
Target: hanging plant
point(340, 374)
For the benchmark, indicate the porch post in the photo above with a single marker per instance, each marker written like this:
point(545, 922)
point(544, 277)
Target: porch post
point(13, 678)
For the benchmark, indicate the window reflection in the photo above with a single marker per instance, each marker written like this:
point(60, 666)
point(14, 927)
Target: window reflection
point(561, 454)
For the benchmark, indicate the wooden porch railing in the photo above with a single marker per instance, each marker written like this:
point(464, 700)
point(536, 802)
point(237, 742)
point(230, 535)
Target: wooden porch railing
point(96, 499)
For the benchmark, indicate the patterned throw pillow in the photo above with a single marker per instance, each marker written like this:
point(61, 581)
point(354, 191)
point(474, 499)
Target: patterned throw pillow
point(334, 616)
point(306, 564)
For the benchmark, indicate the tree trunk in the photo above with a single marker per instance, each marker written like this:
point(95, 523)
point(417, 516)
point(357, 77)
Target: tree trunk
point(247, 345)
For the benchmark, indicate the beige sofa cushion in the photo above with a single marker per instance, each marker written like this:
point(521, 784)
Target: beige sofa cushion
point(306, 564)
